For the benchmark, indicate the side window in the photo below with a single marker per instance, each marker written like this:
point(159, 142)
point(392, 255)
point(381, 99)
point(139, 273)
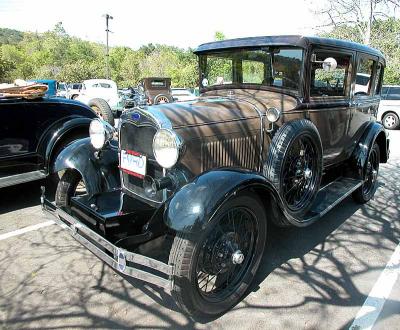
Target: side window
point(364, 77)
point(333, 82)
point(393, 94)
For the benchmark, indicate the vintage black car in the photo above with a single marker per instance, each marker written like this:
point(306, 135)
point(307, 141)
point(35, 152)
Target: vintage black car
point(280, 135)
point(34, 132)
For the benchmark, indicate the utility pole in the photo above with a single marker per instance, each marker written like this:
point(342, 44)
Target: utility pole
point(108, 17)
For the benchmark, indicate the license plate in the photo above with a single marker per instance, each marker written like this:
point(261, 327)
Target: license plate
point(133, 163)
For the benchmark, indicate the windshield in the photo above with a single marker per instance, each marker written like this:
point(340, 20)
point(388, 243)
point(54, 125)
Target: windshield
point(278, 67)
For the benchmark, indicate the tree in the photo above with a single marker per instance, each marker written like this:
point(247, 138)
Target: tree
point(357, 14)
point(219, 36)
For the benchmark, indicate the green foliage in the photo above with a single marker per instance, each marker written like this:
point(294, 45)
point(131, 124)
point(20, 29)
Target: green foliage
point(56, 55)
point(9, 36)
point(219, 36)
point(385, 36)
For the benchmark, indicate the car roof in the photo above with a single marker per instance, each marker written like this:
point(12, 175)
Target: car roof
point(285, 40)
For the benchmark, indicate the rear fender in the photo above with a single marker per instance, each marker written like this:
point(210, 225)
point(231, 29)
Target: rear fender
point(374, 132)
point(193, 206)
point(99, 170)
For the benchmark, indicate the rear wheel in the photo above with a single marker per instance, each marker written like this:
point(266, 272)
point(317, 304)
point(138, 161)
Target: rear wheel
point(102, 109)
point(159, 99)
point(367, 190)
point(213, 270)
point(390, 121)
point(70, 185)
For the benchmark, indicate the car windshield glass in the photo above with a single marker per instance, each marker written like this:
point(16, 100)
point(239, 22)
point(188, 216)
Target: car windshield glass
point(278, 67)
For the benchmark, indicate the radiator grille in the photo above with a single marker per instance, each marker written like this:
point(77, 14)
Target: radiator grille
point(236, 152)
point(140, 139)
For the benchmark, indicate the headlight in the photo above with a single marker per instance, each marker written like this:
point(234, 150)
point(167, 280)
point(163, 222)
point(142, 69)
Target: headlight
point(166, 147)
point(273, 115)
point(100, 132)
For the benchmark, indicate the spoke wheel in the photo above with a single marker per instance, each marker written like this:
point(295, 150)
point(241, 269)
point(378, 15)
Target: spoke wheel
point(213, 267)
point(226, 254)
point(370, 177)
point(299, 173)
point(294, 166)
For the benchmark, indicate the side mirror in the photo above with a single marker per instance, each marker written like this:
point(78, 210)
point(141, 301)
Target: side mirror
point(329, 64)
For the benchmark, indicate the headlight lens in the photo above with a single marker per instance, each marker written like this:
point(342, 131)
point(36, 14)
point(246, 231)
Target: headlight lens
point(273, 115)
point(100, 132)
point(166, 148)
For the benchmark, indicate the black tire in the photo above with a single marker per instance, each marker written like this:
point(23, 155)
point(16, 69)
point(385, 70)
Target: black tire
point(290, 174)
point(73, 97)
point(162, 98)
point(189, 254)
point(67, 187)
point(390, 120)
point(102, 109)
point(367, 190)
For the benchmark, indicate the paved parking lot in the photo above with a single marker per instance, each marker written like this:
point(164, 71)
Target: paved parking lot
point(312, 278)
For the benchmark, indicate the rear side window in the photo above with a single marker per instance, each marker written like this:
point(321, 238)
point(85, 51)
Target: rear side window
point(393, 93)
point(332, 83)
point(364, 77)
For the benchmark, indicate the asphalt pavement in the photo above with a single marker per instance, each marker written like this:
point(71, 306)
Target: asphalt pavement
point(312, 278)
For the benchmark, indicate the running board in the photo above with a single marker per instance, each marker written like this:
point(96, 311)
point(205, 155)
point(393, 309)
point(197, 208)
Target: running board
point(330, 196)
point(21, 178)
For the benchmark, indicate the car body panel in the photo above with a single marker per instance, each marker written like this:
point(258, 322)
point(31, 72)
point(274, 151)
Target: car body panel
point(30, 128)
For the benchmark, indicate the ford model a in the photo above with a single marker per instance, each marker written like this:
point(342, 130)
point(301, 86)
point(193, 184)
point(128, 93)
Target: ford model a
point(280, 134)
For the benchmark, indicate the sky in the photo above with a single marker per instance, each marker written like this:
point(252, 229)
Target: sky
point(171, 22)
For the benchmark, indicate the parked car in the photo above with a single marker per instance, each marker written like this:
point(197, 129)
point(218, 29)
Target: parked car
point(62, 90)
point(34, 132)
point(103, 96)
point(74, 90)
point(156, 90)
point(182, 95)
point(201, 181)
point(51, 84)
point(389, 108)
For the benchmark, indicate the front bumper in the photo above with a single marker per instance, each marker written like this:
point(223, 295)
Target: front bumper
point(123, 261)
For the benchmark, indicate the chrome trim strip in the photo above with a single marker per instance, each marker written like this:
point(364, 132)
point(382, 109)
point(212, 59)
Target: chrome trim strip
point(91, 240)
point(11, 180)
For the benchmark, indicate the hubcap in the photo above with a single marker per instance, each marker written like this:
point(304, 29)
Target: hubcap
point(237, 257)
point(390, 121)
point(307, 173)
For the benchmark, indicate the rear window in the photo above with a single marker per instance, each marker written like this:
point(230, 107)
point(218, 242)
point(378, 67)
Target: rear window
point(158, 83)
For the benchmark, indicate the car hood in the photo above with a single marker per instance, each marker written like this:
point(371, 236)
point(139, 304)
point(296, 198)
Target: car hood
point(219, 108)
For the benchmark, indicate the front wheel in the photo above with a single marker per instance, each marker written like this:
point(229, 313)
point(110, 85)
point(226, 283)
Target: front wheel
point(70, 185)
point(213, 269)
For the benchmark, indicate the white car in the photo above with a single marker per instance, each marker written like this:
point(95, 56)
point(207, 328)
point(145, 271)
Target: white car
point(102, 96)
point(182, 95)
point(389, 107)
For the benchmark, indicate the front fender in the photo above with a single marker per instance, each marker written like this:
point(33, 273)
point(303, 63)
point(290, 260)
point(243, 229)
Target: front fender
point(99, 173)
point(193, 206)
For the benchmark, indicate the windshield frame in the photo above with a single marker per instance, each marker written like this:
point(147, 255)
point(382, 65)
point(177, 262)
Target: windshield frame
point(202, 65)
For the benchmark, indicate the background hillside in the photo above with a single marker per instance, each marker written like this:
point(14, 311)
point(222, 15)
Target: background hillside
point(55, 54)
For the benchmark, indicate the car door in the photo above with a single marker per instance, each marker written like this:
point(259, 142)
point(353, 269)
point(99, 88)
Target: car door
point(365, 96)
point(18, 140)
point(329, 105)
